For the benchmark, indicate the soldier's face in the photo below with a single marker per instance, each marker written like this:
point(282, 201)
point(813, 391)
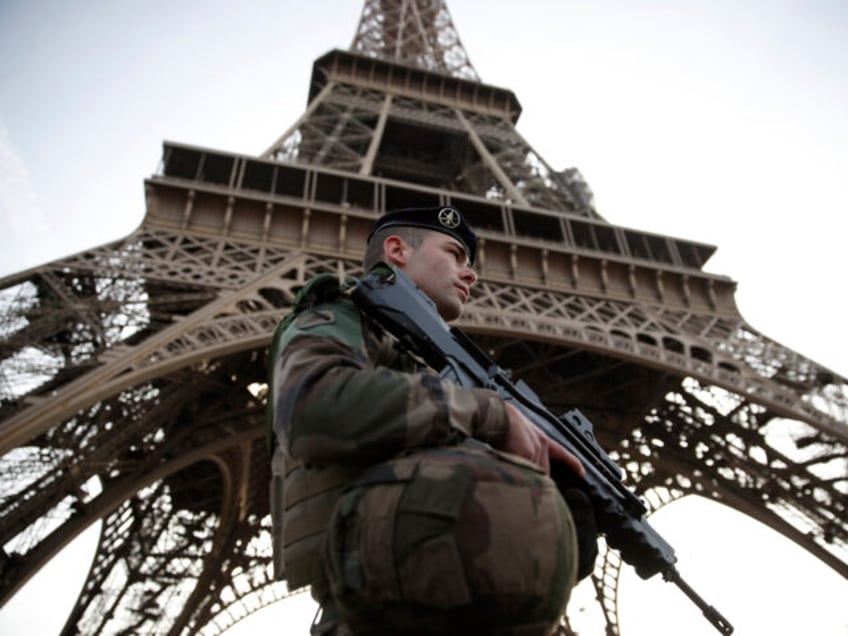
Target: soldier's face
point(439, 266)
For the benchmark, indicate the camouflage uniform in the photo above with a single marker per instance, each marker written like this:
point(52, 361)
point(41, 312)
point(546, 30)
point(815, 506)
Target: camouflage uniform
point(430, 529)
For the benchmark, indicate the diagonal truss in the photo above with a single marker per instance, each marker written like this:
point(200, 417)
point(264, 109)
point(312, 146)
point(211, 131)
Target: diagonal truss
point(420, 34)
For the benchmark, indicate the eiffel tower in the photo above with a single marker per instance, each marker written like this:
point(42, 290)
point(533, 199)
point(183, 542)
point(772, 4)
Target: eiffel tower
point(132, 389)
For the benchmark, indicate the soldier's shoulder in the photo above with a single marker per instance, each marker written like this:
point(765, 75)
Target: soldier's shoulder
point(322, 308)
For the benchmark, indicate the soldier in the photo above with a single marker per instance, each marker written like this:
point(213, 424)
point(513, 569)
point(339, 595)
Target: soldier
point(412, 505)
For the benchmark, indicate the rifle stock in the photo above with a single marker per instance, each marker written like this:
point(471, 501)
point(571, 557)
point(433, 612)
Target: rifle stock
point(387, 296)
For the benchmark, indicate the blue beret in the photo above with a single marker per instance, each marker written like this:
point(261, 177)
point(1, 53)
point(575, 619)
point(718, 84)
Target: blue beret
point(441, 218)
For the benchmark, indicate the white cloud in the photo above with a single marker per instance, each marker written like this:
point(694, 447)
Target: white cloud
point(19, 210)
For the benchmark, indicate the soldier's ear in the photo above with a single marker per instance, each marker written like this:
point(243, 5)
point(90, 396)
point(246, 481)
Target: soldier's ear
point(396, 250)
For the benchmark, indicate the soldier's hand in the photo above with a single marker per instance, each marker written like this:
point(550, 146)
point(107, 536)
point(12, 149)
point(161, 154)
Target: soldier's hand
point(527, 441)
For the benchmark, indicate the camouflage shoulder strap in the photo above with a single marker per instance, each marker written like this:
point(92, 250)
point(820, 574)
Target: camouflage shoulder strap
point(322, 289)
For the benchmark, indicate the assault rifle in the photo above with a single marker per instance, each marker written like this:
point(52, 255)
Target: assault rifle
point(394, 302)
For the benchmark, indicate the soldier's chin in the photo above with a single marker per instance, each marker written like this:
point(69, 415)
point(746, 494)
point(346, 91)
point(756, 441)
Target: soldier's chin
point(450, 311)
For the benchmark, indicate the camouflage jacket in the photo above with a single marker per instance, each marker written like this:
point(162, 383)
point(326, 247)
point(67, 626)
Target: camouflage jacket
point(342, 398)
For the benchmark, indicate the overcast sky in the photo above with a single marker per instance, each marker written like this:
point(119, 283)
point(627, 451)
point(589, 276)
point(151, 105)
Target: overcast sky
point(721, 121)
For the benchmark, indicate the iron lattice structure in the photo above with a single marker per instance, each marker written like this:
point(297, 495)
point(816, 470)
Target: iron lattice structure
point(133, 373)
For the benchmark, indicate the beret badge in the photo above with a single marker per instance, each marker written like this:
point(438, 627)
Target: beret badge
point(449, 218)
